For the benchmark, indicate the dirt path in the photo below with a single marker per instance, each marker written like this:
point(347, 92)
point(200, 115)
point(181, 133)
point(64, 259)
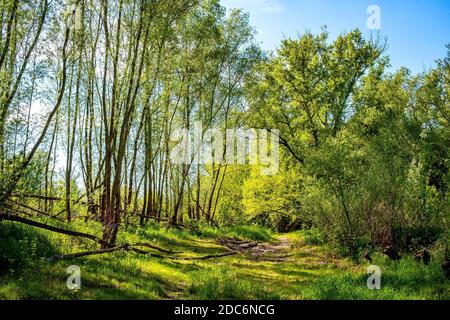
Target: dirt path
point(265, 251)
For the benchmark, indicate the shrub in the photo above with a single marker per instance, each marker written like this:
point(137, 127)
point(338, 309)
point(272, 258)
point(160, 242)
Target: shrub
point(417, 237)
point(313, 237)
point(21, 246)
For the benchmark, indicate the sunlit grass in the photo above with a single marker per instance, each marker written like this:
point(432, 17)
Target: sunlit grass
point(305, 270)
point(405, 279)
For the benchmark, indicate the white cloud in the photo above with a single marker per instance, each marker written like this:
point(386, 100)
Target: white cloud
point(256, 6)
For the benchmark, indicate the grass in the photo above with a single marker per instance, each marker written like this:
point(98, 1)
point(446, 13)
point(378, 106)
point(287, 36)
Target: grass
point(312, 237)
point(22, 247)
point(227, 283)
point(306, 271)
point(401, 280)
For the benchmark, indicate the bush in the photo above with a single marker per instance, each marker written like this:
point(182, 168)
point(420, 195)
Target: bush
point(21, 246)
point(415, 238)
point(273, 201)
point(313, 237)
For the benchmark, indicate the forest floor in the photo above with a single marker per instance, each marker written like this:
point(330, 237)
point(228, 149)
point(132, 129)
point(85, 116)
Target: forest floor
point(261, 265)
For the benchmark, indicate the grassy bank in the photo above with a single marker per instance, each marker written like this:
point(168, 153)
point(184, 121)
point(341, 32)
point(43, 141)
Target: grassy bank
point(281, 267)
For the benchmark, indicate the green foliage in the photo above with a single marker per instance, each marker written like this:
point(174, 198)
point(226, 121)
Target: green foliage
point(371, 146)
point(364, 164)
point(252, 232)
point(309, 272)
point(417, 237)
point(273, 201)
point(245, 231)
point(313, 237)
point(22, 247)
point(231, 210)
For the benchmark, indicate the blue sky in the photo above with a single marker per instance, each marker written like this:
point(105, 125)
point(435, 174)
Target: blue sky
point(416, 30)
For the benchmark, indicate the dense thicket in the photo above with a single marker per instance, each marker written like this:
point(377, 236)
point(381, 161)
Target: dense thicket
point(367, 148)
point(90, 98)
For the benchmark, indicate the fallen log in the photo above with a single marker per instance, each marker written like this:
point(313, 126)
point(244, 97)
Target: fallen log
point(15, 218)
point(36, 211)
point(146, 253)
point(212, 256)
point(151, 246)
point(51, 228)
point(128, 247)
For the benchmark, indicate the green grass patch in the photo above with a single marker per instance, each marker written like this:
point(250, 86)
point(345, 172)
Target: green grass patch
point(221, 283)
point(401, 280)
point(22, 246)
point(300, 270)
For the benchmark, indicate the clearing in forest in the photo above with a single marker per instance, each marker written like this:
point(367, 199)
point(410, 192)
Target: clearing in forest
point(210, 265)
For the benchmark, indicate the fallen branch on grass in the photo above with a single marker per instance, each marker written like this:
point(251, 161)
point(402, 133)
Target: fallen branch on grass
point(87, 253)
point(15, 218)
point(36, 211)
point(151, 246)
point(146, 253)
point(212, 256)
point(127, 247)
point(124, 247)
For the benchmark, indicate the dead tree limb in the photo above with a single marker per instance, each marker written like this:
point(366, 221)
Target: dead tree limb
point(9, 217)
point(87, 253)
point(151, 246)
point(212, 256)
point(146, 253)
point(35, 210)
point(127, 247)
point(15, 218)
